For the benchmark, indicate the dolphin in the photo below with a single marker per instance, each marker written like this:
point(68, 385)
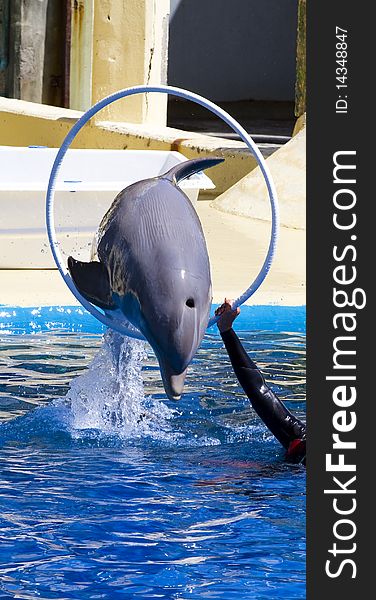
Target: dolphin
point(153, 269)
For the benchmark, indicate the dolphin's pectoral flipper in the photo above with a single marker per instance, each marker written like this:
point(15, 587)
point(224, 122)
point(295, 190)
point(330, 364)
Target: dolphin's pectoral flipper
point(189, 167)
point(91, 280)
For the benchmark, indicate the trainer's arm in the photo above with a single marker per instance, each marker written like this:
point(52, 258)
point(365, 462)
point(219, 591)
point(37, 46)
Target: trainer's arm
point(281, 422)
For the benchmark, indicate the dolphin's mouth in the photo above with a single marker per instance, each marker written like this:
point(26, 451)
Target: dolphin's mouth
point(173, 382)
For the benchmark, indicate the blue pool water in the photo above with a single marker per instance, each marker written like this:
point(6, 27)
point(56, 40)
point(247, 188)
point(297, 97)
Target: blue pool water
point(108, 490)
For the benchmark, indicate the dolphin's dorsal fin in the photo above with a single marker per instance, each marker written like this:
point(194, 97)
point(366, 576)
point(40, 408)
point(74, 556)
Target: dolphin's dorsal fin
point(189, 167)
point(91, 280)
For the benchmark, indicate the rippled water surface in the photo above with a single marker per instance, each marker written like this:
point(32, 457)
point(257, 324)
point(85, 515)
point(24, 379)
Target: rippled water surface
point(108, 490)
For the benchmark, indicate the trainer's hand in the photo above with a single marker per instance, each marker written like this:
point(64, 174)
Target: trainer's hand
point(227, 315)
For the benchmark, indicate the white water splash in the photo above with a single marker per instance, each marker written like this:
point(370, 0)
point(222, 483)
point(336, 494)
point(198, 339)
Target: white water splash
point(110, 396)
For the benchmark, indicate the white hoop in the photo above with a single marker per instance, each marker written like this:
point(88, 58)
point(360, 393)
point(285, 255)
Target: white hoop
point(129, 329)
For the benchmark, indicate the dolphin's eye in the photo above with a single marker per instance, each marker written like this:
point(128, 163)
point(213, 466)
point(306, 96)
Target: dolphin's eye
point(190, 302)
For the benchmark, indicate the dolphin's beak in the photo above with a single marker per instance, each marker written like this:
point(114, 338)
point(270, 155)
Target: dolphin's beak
point(173, 382)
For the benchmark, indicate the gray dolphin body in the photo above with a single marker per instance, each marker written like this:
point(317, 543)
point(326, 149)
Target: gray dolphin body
point(154, 267)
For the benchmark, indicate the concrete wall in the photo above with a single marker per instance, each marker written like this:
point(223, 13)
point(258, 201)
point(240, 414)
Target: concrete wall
point(32, 42)
point(234, 49)
point(27, 42)
point(114, 44)
point(130, 48)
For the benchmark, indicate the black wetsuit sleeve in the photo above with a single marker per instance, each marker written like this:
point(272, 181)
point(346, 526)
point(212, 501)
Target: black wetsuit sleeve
point(279, 420)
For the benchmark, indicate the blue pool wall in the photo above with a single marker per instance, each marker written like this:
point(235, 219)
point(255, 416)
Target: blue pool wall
point(20, 320)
